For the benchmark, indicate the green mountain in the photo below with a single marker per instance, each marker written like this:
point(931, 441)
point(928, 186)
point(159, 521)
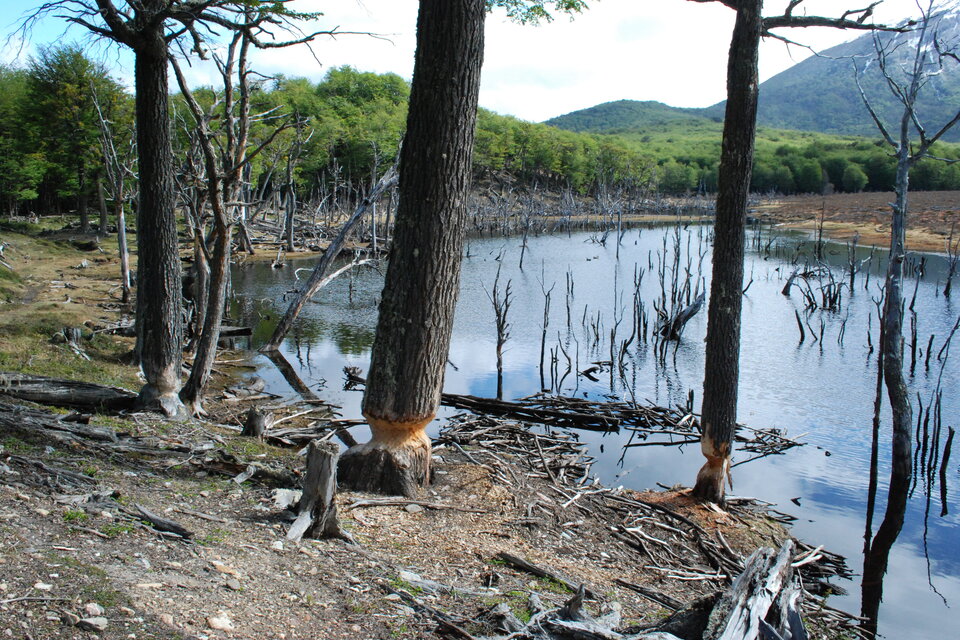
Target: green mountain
point(627, 116)
point(819, 94)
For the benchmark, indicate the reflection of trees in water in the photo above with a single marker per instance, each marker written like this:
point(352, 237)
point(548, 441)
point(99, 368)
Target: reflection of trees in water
point(927, 466)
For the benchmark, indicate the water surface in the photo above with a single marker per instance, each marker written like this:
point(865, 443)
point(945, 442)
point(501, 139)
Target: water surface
point(821, 391)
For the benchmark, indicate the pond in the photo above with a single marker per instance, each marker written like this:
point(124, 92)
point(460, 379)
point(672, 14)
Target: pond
point(819, 390)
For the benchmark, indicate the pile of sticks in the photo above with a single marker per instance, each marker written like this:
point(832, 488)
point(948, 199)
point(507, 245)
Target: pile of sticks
point(671, 546)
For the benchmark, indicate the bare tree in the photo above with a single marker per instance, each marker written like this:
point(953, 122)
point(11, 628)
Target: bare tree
point(118, 169)
point(722, 371)
point(223, 161)
point(907, 62)
point(149, 28)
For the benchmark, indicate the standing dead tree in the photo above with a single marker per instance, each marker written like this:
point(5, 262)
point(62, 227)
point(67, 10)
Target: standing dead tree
point(118, 166)
point(906, 71)
point(722, 367)
point(501, 299)
point(224, 158)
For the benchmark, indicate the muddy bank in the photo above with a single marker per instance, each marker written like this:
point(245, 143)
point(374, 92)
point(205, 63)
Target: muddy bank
point(929, 222)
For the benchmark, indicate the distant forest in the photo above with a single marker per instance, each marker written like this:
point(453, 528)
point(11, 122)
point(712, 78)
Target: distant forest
point(51, 158)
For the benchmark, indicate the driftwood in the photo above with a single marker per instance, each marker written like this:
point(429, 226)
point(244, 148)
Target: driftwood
point(163, 524)
point(317, 510)
point(751, 597)
point(65, 393)
point(541, 572)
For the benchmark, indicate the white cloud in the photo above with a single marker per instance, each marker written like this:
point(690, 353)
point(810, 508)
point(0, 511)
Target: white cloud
point(673, 51)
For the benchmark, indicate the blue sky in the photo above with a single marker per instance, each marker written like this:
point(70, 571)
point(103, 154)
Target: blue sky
point(673, 51)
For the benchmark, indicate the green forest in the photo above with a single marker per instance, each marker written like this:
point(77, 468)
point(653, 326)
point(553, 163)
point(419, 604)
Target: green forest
point(54, 107)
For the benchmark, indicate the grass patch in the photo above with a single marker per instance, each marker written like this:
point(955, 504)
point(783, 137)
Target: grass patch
point(75, 516)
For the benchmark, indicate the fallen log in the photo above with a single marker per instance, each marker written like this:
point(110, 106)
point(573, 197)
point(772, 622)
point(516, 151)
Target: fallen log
point(65, 393)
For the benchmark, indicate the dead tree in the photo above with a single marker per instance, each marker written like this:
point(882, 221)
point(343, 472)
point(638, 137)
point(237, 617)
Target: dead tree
point(317, 509)
point(317, 278)
point(501, 299)
point(722, 370)
point(150, 28)
point(906, 70)
point(118, 166)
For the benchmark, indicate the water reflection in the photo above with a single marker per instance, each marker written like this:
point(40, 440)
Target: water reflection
point(821, 391)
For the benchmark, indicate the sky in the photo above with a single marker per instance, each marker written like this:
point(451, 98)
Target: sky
point(673, 51)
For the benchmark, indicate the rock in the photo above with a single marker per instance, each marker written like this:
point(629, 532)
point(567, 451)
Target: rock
point(392, 597)
point(413, 508)
point(234, 584)
point(220, 622)
point(69, 618)
point(222, 568)
point(277, 545)
point(43, 586)
point(93, 610)
point(96, 624)
point(166, 619)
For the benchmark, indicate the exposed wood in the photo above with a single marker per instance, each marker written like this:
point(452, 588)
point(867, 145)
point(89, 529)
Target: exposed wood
point(738, 613)
point(317, 510)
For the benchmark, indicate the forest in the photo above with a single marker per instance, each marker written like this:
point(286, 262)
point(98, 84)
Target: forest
point(344, 130)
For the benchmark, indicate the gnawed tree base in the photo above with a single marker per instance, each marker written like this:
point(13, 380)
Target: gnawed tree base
point(396, 461)
point(168, 403)
point(712, 478)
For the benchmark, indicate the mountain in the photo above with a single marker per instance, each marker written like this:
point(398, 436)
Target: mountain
point(628, 116)
point(819, 94)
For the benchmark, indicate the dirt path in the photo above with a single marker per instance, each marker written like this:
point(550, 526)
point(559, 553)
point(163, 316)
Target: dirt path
point(932, 214)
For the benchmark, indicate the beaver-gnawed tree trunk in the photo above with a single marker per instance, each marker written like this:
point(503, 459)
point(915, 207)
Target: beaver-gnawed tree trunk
point(159, 313)
point(719, 413)
point(420, 293)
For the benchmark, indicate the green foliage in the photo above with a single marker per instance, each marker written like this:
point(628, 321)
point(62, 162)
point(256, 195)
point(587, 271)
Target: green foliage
point(535, 11)
point(854, 179)
point(785, 161)
point(49, 127)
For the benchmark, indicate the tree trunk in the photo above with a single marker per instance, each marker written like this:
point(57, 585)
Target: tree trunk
point(423, 278)
point(876, 557)
point(159, 304)
point(122, 247)
point(216, 302)
point(102, 201)
point(723, 316)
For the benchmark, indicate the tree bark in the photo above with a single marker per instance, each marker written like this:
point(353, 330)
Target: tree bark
point(122, 248)
point(420, 294)
point(159, 304)
point(722, 368)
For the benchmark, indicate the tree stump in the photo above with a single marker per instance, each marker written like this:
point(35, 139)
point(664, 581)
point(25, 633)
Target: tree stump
point(317, 510)
point(256, 423)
